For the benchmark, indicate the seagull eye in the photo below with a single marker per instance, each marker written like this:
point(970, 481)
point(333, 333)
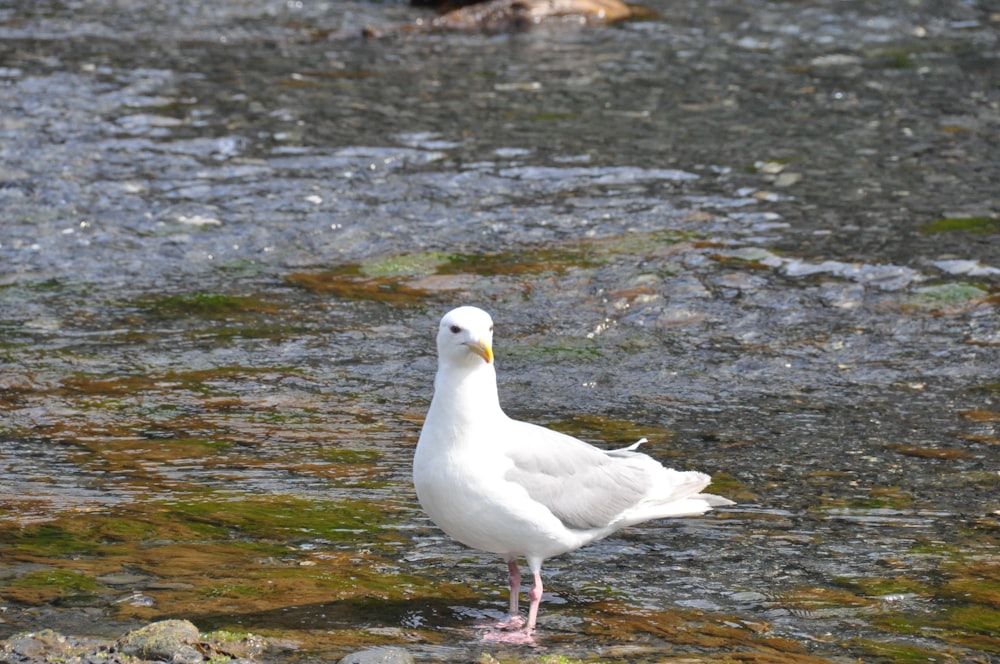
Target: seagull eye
point(491, 329)
point(455, 329)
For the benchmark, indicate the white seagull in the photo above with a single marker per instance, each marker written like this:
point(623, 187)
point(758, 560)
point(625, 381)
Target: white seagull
point(518, 489)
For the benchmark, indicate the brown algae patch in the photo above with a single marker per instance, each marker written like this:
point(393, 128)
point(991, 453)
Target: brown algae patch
point(951, 609)
point(408, 279)
point(980, 415)
point(819, 600)
point(349, 283)
point(940, 453)
point(195, 380)
point(729, 638)
point(223, 561)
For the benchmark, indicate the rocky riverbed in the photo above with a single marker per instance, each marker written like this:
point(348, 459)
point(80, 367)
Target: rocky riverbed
point(174, 641)
point(764, 236)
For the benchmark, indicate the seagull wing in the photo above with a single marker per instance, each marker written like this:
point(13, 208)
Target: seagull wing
point(587, 488)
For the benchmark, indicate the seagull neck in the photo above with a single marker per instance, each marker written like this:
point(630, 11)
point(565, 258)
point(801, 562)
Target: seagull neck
point(469, 392)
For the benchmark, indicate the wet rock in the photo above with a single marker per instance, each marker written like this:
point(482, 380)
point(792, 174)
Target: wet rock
point(382, 655)
point(885, 277)
point(836, 61)
point(174, 641)
point(234, 645)
point(124, 579)
point(787, 179)
point(167, 640)
point(739, 281)
point(686, 287)
point(27, 647)
point(842, 296)
point(969, 267)
point(50, 646)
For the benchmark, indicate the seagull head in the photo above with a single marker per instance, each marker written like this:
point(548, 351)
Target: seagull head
point(465, 337)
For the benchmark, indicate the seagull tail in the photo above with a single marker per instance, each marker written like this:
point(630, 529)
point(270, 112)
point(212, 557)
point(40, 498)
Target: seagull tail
point(715, 501)
point(680, 497)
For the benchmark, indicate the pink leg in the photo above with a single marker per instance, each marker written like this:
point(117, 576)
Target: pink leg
point(511, 633)
point(515, 586)
point(536, 598)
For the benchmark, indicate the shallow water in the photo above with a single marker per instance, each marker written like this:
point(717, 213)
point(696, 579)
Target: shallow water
point(765, 237)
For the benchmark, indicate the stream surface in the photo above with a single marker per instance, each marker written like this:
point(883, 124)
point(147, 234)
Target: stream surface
point(764, 235)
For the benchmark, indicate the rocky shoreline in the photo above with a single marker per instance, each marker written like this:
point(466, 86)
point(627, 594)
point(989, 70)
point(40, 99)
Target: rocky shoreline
point(175, 641)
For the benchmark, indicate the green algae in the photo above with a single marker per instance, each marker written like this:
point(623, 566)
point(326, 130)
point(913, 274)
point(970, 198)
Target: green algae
point(858, 504)
point(216, 557)
point(66, 586)
point(980, 619)
point(210, 314)
point(988, 388)
point(349, 456)
point(884, 586)
point(895, 58)
point(264, 522)
point(961, 224)
point(901, 652)
point(409, 279)
point(216, 306)
point(947, 295)
point(278, 517)
point(63, 580)
point(573, 351)
point(531, 261)
point(126, 529)
point(50, 540)
point(553, 117)
point(407, 265)
point(974, 627)
point(728, 486)
point(963, 586)
point(613, 431)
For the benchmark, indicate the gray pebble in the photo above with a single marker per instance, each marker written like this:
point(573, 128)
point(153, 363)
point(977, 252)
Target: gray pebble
point(381, 655)
point(26, 647)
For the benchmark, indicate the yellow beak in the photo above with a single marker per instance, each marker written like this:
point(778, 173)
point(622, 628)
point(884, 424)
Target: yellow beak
point(482, 349)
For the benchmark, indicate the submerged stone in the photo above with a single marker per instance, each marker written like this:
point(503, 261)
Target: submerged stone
point(382, 655)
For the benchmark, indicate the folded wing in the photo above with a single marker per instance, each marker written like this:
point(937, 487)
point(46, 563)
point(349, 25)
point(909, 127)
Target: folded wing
point(591, 489)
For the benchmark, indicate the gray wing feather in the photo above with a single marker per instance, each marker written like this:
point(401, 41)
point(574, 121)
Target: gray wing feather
point(584, 487)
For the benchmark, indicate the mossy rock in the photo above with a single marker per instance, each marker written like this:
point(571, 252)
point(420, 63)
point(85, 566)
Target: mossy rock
point(159, 641)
